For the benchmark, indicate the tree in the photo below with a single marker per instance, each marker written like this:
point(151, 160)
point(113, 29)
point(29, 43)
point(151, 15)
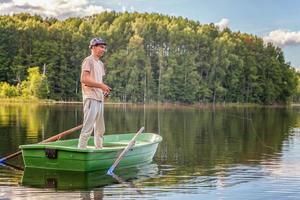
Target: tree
point(36, 84)
point(149, 57)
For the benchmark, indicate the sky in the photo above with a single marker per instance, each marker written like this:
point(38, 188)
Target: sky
point(276, 21)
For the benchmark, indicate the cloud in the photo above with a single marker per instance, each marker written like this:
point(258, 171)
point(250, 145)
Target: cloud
point(224, 23)
point(5, 1)
point(51, 8)
point(283, 38)
point(124, 9)
point(28, 7)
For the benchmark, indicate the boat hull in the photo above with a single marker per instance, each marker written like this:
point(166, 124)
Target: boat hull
point(64, 155)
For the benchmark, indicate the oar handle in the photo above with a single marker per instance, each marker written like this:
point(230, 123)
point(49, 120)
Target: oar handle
point(10, 156)
point(60, 135)
point(53, 138)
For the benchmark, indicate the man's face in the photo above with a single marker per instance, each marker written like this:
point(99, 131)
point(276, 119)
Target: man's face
point(99, 50)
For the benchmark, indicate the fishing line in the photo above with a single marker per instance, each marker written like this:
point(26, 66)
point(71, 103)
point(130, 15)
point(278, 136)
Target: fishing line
point(251, 124)
point(118, 92)
point(253, 128)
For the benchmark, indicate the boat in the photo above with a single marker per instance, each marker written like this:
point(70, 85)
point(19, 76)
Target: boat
point(64, 154)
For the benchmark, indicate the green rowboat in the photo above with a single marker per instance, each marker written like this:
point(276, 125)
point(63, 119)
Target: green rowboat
point(64, 154)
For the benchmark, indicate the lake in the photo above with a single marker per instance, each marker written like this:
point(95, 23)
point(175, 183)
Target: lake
point(221, 153)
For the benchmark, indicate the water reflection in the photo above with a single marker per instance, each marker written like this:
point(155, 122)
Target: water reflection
point(223, 137)
point(69, 180)
point(210, 153)
point(32, 123)
point(66, 180)
point(12, 166)
point(91, 184)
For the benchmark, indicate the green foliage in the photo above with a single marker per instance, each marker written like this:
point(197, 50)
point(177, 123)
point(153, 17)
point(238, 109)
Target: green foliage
point(7, 91)
point(36, 84)
point(150, 57)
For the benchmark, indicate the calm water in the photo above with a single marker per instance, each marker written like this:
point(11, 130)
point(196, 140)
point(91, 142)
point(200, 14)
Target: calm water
point(251, 153)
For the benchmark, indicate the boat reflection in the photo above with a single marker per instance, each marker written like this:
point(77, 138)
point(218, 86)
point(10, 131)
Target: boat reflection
point(68, 180)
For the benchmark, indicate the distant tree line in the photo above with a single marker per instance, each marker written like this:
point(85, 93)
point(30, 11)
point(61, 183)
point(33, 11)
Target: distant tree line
point(150, 57)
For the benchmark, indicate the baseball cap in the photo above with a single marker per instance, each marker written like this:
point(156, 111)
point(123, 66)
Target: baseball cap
point(96, 41)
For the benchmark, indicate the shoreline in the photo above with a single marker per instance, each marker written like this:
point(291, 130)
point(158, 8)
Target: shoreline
point(150, 104)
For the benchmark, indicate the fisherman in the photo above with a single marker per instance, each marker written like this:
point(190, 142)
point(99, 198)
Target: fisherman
point(93, 92)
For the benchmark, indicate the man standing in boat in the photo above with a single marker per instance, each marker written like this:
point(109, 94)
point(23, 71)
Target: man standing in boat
point(93, 92)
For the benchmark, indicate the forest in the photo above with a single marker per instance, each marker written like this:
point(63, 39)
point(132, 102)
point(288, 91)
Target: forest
point(149, 58)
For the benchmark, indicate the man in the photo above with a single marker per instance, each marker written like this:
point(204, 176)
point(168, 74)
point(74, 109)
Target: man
point(93, 92)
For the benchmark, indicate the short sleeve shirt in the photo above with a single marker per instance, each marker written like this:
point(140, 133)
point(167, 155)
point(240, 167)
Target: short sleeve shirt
point(96, 69)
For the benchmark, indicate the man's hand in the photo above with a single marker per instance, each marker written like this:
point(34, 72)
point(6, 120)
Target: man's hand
point(106, 89)
point(88, 81)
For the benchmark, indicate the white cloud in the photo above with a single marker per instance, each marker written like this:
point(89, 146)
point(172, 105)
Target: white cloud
point(283, 38)
point(127, 8)
point(52, 8)
point(224, 23)
point(124, 9)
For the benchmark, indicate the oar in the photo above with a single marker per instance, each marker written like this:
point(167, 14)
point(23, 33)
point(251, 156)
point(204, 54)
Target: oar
point(130, 144)
point(122, 181)
point(10, 166)
point(53, 138)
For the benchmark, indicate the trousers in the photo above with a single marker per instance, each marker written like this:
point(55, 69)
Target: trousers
point(93, 119)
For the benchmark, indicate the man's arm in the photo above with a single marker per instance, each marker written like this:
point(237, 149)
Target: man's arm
point(88, 81)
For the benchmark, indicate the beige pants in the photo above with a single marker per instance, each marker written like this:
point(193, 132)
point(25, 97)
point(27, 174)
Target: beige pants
point(93, 119)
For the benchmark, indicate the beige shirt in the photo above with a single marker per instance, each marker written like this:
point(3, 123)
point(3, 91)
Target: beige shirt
point(96, 69)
